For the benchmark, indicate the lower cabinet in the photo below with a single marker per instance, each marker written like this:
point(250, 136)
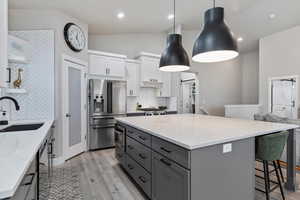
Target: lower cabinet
point(169, 180)
point(159, 176)
point(28, 186)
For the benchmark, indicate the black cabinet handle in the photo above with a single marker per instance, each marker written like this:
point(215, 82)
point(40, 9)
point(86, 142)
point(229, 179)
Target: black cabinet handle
point(32, 175)
point(165, 150)
point(142, 138)
point(165, 162)
point(130, 167)
point(9, 75)
point(143, 179)
point(142, 156)
point(130, 147)
point(130, 132)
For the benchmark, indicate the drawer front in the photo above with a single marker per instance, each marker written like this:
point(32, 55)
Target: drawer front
point(169, 180)
point(172, 151)
point(140, 175)
point(140, 136)
point(139, 153)
point(102, 121)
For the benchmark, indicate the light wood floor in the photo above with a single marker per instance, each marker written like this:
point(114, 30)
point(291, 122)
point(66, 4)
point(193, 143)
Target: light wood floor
point(101, 178)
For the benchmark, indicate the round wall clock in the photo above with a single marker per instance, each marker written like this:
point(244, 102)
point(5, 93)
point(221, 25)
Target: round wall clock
point(74, 37)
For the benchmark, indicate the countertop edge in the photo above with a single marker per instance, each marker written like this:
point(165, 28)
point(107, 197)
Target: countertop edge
point(203, 145)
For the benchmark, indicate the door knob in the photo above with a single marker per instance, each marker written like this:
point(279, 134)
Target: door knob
point(68, 115)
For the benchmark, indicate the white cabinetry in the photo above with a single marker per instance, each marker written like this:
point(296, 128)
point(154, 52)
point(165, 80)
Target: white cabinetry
point(106, 64)
point(132, 75)
point(150, 68)
point(165, 88)
point(3, 43)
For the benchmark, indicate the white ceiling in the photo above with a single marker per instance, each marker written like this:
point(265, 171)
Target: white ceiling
point(247, 18)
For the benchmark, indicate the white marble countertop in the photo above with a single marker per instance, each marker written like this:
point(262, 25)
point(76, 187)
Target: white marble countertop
point(198, 131)
point(17, 151)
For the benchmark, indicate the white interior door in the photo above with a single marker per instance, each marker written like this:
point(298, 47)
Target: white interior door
point(74, 122)
point(284, 98)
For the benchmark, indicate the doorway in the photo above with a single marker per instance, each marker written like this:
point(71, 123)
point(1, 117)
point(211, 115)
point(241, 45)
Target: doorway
point(74, 107)
point(283, 99)
point(187, 102)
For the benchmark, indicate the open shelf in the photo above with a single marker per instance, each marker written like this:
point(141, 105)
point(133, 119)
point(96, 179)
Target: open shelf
point(15, 91)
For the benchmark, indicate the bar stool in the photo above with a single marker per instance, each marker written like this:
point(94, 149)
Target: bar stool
point(269, 148)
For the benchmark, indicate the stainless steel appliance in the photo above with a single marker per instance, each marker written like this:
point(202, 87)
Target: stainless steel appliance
point(106, 100)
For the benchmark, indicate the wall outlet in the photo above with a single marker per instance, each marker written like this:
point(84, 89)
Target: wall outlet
point(227, 148)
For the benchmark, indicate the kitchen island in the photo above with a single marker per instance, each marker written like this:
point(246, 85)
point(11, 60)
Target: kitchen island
point(192, 157)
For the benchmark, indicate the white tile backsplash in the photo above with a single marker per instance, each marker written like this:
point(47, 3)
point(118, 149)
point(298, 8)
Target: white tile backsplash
point(148, 98)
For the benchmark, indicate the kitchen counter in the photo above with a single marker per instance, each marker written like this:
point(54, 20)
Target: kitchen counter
point(198, 131)
point(17, 151)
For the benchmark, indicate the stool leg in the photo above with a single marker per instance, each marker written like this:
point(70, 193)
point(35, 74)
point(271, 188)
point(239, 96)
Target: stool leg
point(267, 180)
point(279, 180)
point(280, 170)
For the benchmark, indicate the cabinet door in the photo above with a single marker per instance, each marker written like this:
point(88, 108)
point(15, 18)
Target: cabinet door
point(169, 180)
point(116, 67)
point(133, 88)
point(98, 65)
point(165, 90)
point(150, 70)
point(3, 43)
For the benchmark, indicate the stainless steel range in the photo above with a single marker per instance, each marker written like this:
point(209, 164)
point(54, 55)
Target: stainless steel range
point(106, 100)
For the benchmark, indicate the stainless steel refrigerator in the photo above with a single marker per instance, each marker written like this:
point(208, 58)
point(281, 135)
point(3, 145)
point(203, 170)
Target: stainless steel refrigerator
point(106, 101)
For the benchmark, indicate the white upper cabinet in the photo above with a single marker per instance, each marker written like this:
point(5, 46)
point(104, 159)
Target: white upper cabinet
point(3, 43)
point(150, 68)
point(132, 75)
point(106, 64)
point(165, 88)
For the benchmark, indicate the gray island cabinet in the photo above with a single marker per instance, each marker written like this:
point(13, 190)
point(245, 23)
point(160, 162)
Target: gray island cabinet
point(185, 157)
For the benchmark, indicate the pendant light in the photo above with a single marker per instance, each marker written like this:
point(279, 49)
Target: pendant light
point(174, 58)
point(216, 42)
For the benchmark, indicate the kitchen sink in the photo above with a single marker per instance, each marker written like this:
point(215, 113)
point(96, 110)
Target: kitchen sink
point(22, 127)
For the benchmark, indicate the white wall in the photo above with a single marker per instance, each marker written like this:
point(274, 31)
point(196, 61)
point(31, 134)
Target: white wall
point(279, 56)
point(54, 20)
point(250, 77)
point(128, 44)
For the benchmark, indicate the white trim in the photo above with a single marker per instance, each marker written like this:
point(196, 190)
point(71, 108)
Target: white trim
point(101, 53)
point(83, 67)
point(296, 77)
point(146, 54)
point(58, 161)
point(66, 57)
point(133, 61)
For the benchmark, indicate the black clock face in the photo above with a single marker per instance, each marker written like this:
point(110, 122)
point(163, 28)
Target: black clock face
point(75, 37)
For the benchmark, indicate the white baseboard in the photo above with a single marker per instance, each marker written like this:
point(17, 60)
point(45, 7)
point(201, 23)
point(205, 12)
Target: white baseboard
point(58, 161)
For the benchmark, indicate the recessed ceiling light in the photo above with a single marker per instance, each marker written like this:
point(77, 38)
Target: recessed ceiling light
point(120, 15)
point(171, 16)
point(240, 39)
point(272, 16)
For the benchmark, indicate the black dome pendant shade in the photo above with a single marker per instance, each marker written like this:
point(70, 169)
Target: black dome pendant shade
point(216, 42)
point(174, 58)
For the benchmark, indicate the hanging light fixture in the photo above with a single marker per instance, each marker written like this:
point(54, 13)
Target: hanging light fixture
point(216, 42)
point(174, 58)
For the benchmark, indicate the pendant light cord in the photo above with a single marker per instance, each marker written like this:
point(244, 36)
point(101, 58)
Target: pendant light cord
point(214, 3)
point(174, 21)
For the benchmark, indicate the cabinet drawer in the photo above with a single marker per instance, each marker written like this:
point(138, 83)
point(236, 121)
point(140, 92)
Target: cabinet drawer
point(139, 153)
point(172, 151)
point(140, 136)
point(140, 175)
point(169, 180)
